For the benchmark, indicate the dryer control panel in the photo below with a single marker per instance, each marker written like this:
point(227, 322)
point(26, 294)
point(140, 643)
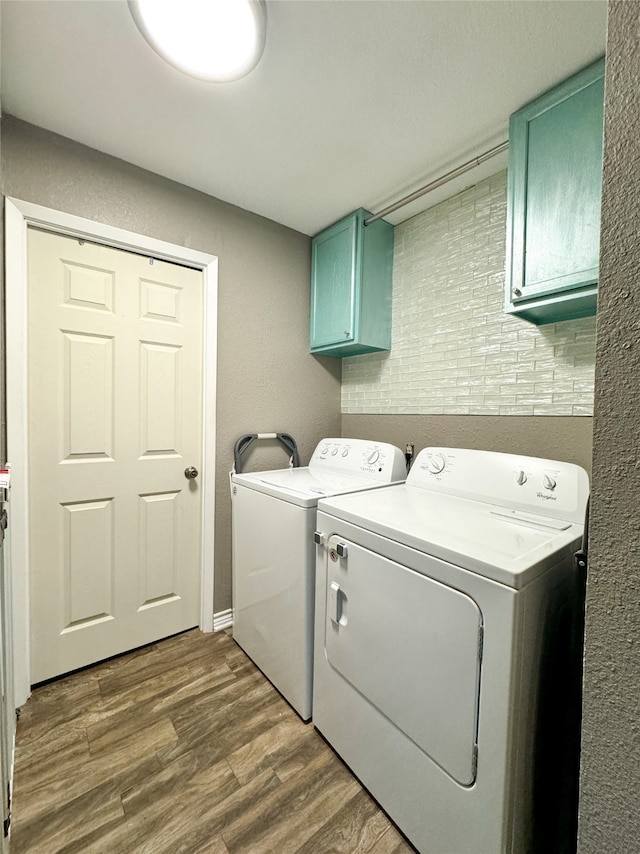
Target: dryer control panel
point(359, 457)
point(530, 484)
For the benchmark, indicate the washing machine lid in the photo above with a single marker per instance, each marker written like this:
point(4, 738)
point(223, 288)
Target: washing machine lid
point(508, 546)
point(302, 486)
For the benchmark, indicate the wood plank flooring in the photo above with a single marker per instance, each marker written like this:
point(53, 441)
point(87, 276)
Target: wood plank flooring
point(183, 746)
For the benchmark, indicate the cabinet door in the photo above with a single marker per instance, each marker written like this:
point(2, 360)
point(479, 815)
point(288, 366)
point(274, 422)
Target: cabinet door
point(555, 176)
point(334, 275)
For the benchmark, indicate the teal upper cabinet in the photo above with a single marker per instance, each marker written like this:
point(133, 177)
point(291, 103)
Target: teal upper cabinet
point(553, 202)
point(351, 272)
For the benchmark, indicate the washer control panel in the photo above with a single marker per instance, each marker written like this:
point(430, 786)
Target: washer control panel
point(376, 460)
point(547, 487)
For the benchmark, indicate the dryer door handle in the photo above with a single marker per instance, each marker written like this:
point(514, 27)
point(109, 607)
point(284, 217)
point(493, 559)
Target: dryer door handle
point(337, 604)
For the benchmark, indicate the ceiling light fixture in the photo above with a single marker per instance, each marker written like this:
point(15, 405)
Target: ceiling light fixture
point(217, 40)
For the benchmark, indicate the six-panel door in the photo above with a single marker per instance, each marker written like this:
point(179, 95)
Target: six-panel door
point(115, 363)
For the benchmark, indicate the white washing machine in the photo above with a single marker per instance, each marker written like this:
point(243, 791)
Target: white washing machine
point(447, 648)
point(273, 520)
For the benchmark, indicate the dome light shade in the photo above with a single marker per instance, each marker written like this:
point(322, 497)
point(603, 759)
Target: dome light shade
point(217, 40)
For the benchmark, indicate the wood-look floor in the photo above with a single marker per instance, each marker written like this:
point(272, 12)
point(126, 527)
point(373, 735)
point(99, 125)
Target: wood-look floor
point(183, 746)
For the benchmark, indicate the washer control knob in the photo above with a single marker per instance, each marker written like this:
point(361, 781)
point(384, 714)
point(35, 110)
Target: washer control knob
point(324, 449)
point(334, 450)
point(521, 477)
point(345, 452)
point(437, 464)
point(373, 457)
point(549, 482)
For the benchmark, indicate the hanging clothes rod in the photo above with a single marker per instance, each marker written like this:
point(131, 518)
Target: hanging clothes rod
point(433, 185)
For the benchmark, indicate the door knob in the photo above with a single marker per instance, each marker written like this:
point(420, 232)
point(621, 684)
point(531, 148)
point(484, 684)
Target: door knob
point(191, 472)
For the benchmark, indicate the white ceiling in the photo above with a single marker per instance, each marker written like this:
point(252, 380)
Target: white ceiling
point(355, 103)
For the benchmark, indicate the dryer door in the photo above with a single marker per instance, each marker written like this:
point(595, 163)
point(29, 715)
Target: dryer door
point(411, 646)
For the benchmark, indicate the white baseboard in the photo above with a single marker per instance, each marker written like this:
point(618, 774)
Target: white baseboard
point(222, 620)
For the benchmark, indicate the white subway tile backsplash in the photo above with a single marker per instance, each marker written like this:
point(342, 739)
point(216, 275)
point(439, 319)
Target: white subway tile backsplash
point(516, 410)
point(454, 350)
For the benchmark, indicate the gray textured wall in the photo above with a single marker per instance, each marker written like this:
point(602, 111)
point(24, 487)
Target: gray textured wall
point(267, 380)
point(554, 437)
point(610, 777)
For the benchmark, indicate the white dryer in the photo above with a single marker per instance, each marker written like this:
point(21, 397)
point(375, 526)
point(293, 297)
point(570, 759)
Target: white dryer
point(447, 648)
point(273, 520)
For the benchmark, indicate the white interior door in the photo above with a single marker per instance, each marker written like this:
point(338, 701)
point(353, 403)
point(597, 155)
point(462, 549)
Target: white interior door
point(115, 400)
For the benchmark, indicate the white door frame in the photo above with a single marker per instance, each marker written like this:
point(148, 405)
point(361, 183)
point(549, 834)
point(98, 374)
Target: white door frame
point(18, 216)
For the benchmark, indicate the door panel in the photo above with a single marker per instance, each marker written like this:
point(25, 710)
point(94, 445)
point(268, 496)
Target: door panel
point(160, 399)
point(158, 524)
point(410, 646)
point(115, 366)
point(88, 562)
point(87, 405)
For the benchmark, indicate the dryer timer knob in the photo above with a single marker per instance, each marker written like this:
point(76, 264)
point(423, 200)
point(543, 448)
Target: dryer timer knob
point(437, 464)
